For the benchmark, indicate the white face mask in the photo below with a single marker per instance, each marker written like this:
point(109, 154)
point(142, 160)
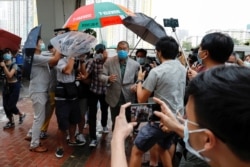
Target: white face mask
point(246, 63)
point(188, 146)
point(230, 64)
point(99, 56)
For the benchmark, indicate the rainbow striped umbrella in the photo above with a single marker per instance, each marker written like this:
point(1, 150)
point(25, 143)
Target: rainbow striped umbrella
point(97, 15)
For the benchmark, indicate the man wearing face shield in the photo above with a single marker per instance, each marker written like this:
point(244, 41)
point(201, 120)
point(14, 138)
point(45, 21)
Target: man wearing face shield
point(119, 73)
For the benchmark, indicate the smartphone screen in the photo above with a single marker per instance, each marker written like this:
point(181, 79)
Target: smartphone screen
point(143, 112)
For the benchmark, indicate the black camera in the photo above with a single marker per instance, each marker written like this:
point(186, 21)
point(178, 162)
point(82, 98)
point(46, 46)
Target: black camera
point(171, 22)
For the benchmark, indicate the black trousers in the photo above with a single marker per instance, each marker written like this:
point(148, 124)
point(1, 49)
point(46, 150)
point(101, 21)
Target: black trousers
point(11, 93)
point(93, 100)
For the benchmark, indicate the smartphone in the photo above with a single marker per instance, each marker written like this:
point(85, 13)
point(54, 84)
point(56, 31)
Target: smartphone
point(143, 112)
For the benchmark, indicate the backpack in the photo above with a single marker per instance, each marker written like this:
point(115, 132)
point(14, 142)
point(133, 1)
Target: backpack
point(19, 72)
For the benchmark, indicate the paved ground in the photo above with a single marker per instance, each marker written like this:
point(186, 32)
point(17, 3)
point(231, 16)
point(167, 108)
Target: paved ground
point(15, 152)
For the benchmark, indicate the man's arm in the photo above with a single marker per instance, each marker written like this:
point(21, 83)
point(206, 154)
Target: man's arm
point(142, 93)
point(54, 59)
point(69, 66)
point(168, 119)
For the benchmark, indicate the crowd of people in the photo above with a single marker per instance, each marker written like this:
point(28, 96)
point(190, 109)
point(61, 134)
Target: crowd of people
point(215, 102)
point(204, 111)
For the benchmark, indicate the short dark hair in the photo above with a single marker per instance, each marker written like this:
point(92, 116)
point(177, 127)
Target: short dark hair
point(123, 42)
point(99, 48)
point(6, 50)
point(219, 45)
point(50, 46)
point(221, 99)
point(168, 47)
point(141, 50)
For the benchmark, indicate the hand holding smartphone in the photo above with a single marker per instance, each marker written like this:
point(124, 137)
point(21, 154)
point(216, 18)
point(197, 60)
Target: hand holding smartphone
point(144, 112)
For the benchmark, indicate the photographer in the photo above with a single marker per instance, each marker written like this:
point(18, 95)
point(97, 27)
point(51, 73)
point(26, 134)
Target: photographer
point(11, 89)
point(146, 63)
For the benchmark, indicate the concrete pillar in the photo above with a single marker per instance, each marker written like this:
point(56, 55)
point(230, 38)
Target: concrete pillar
point(53, 14)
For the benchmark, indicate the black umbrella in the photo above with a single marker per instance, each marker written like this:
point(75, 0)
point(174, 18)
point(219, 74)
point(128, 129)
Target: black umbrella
point(145, 27)
point(29, 49)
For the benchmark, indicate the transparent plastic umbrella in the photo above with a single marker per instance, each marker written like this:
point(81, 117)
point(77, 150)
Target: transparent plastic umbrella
point(73, 43)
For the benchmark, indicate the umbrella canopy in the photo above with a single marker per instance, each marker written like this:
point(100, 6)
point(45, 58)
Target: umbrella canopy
point(29, 50)
point(145, 27)
point(32, 37)
point(97, 15)
point(9, 40)
point(73, 43)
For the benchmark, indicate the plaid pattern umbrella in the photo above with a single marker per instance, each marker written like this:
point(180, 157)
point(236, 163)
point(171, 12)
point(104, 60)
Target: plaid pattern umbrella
point(97, 15)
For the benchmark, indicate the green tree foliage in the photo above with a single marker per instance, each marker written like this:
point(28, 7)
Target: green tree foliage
point(236, 41)
point(187, 45)
point(91, 32)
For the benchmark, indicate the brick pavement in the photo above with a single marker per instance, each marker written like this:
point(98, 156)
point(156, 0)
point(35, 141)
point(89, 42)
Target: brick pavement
point(15, 152)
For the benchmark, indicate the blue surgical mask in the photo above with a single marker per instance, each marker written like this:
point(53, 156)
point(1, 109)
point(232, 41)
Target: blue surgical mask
point(7, 56)
point(42, 46)
point(198, 58)
point(122, 54)
point(188, 146)
point(140, 60)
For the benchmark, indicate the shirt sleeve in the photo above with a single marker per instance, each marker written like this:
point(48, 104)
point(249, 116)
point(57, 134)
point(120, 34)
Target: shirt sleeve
point(89, 66)
point(151, 81)
point(40, 60)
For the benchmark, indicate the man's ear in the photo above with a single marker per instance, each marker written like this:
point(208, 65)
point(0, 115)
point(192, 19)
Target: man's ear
point(209, 140)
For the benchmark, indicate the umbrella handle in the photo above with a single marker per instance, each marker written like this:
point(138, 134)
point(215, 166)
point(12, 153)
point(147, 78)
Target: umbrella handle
point(134, 47)
point(188, 65)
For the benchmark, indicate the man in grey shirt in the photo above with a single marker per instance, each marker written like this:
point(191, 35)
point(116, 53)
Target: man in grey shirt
point(38, 89)
point(167, 81)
